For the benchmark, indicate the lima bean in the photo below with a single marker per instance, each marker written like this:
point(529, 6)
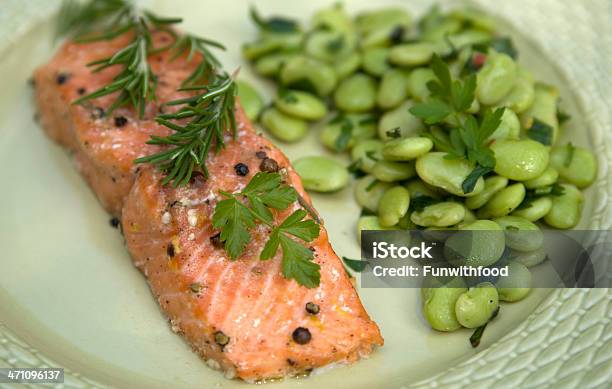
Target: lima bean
point(393, 205)
point(521, 96)
point(368, 192)
point(250, 99)
point(272, 42)
point(411, 54)
point(367, 152)
point(321, 174)
point(374, 61)
point(300, 104)
point(347, 65)
point(521, 234)
point(310, 74)
point(362, 127)
point(516, 285)
point(370, 223)
point(283, 127)
point(480, 243)
point(406, 149)
point(442, 214)
point(547, 178)
point(418, 188)
point(439, 305)
point(520, 160)
point(530, 258)
point(475, 307)
point(492, 185)
point(332, 18)
point(495, 79)
point(537, 209)
point(417, 83)
point(329, 45)
point(356, 93)
point(399, 118)
point(543, 108)
point(392, 90)
point(566, 209)
point(447, 174)
point(575, 164)
point(389, 171)
point(503, 202)
point(376, 26)
point(271, 64)
point(509, 128)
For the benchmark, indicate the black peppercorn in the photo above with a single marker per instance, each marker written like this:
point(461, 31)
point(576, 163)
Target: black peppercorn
point(170, 250)
point(241, 169)
point(221, 339)
point(62, 78)
point(301, 335)
point(216, 241)
point(268, 165)
point(114, 222)
point(120, 121)
point(81, 91)
point(261, 154)
point(312, 308)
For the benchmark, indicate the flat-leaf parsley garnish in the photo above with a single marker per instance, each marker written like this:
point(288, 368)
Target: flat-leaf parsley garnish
point(239, 213)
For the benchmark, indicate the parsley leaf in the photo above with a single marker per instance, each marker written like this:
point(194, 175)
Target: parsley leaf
point(541, 132)
point(346, 133)
point(470, 182)
point(235, 217)
point(433, 111)
point(274, 24)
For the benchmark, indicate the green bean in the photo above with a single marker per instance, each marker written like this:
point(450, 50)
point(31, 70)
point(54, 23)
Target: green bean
point(271, 64)
point(406, 149)
point(283, 127)
point(442, 214)
point(308, 73)
point(321, 174)
point(417, 83)
point(492, 185)
point(417, 188)
point(271, 42)
point(543, 108)
point(516, 285)
point(521, 234)
point(529, 259)
point(392, 89)
point(566, 209)
point(368, 192)
point(411, 54)
point(522, 94)
point(503, 202)
point(480, 243)
point(447, 174)
point(520, 160)
point(575, 164)
point(347, 65)
point(393, 206)
point(367, 152)
point(329, 45)
point(537, 209)
point(439, 305)
point(475, 307)
point(389, 171)
point(399, 119)
point(300, 104)
point(547, 178)
point(509, 128)
point(370, 223)
point(495, 79)
point(360, 127)
point(250, 99)
point(374, 61)
point(356, 93)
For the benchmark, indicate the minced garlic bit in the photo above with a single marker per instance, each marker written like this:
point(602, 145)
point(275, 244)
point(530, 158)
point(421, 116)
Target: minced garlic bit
point(191, 236)
point(192, 217)
point(166, 217)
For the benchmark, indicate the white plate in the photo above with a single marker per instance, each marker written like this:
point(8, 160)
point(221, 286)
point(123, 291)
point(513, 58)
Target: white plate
point(68, 290)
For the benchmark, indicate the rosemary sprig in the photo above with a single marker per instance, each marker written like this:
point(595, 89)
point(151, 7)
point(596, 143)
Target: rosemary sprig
point(211, 113)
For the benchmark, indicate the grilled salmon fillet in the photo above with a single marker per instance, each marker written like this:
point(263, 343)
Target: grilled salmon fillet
point(239, 315)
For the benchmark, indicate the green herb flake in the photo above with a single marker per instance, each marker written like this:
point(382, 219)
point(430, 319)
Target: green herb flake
point(274, 24)
point(356, 265)
point(541, 132)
